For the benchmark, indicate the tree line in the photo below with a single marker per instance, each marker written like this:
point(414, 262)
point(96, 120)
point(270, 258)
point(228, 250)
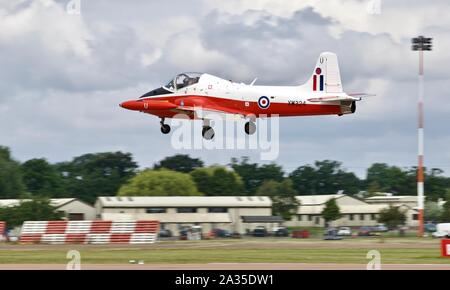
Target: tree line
point(112, 173)
point(116, 173)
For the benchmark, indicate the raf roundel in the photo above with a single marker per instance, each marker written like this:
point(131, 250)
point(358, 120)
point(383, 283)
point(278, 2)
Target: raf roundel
point(263, 102)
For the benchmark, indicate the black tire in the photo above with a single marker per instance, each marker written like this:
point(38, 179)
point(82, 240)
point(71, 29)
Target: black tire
point(208, 132)
point(250, 128)
point(165, 129)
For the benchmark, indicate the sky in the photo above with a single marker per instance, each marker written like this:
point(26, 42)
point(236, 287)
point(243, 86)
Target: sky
point(66, 65)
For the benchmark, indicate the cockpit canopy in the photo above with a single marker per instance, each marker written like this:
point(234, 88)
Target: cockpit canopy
point(180, 81)
point(183, 80)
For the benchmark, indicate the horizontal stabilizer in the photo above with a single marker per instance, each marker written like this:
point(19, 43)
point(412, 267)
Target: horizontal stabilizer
point(361, 95)
point(334, 99)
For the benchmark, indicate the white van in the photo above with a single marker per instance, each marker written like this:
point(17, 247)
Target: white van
point(442, 230)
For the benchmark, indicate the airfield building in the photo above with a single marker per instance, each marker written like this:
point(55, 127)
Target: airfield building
point(234, 213)
point(72, 208)
point(355, 212)
point(393, 200)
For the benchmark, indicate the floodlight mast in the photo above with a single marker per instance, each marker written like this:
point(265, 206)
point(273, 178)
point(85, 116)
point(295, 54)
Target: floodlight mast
point(421, 44)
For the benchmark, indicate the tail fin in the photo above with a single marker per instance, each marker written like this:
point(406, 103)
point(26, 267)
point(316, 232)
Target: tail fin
point(326, 76)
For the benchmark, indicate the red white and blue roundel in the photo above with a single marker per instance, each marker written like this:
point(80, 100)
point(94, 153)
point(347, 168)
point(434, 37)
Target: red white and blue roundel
point(318, 80)
point(263, 102)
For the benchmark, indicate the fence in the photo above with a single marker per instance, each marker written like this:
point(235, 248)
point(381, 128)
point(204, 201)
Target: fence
point(89, 232)
point(2, 231)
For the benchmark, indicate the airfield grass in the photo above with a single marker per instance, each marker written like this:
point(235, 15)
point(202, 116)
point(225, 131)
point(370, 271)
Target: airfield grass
point(211, 254)
point(351, 256)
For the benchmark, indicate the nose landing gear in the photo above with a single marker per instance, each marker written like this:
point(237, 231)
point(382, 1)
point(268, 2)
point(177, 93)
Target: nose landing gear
point(165, 129)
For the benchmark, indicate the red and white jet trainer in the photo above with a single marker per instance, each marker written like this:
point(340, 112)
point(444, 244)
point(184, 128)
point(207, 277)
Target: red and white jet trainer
point(193, 94)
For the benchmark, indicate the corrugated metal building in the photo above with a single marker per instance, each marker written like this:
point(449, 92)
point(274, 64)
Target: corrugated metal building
point(355, 212)
point(72, 208)
point(174, 212)
point(394, 200)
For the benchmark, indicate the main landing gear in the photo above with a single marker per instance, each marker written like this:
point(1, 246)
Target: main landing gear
point(207, 131)
point(250, 128)
point(165, 129)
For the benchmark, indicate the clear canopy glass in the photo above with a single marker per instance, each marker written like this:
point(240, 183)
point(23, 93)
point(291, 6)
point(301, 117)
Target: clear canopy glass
point(183, 80)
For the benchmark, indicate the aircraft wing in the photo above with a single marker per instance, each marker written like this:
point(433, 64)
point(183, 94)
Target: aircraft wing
point(201, 111)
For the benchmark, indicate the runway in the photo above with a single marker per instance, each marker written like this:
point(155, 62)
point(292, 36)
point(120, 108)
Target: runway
point(227, 266)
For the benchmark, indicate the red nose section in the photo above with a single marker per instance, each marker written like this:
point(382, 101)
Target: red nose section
point(141, 105)
point(132, 105)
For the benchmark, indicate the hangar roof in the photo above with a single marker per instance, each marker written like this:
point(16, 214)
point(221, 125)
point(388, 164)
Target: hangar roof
point(316, 199)
point(350, 209)
point(171, 218)
point(393, 198)
point(345, 209)
point(185, 201)
point(262, 219)
point(56, 202)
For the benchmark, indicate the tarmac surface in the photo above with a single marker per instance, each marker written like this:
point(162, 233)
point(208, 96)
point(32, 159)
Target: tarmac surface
point(250, 243)
point(227, 266)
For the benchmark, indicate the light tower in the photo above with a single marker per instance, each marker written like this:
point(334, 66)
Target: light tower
point(420, 44)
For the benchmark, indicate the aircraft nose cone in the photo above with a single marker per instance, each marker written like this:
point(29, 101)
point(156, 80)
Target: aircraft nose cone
point(131, 105)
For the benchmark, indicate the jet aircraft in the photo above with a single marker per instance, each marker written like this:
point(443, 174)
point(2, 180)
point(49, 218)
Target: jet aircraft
point(195, 94)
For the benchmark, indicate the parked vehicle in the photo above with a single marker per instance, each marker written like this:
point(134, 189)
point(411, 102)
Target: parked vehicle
point(331, 234)
point(439, 235)
point(13, 238)
point(380, 228)
point(191, 233)
point(220, 233)
point(344, 231)
point(365, 231)
point(236, 235)
point(183, 234)
point(260, 232)
point(300, 234)
point(442, 230)
point(280, 232)
point(163, 233)
point(430, 227)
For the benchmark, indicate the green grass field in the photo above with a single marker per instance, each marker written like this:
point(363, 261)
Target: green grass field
point(393, 251)
point(120, 256)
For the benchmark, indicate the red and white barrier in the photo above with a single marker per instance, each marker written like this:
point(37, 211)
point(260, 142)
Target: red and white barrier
point(89, 232)
point(2, 231)
point(445, 248)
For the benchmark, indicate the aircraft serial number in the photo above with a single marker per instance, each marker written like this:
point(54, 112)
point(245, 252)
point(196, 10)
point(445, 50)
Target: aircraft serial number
point(296, 102)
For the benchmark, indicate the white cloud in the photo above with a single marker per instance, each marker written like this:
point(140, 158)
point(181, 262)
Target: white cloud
point(63, 75)
point(397, 18)
point(38, 19)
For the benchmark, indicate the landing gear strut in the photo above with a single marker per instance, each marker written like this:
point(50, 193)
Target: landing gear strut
point(250, 128)
point(165, 129)
point(207, 131)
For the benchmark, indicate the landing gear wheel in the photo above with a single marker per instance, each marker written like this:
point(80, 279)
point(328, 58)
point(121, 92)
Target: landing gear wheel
point(208, 132)
point(250, 128)
point(165, 129)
